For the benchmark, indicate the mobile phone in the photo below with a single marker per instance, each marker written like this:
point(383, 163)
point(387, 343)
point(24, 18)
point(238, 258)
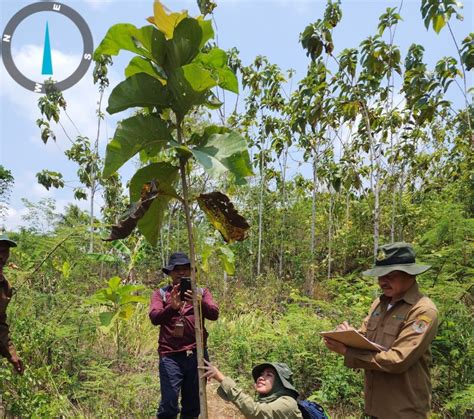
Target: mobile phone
point(184, 285)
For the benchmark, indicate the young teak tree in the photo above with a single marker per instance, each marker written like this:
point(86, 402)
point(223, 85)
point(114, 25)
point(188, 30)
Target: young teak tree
point(173, 72)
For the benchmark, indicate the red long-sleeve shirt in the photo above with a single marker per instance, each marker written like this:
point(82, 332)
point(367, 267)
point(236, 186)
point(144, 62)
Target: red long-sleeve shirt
point(7, 349)
point(162, 314)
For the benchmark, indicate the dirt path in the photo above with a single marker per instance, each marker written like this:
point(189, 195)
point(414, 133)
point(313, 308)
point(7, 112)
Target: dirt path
point(218, 408)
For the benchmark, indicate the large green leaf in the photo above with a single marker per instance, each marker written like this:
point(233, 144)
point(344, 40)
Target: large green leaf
point(134, 299)
point(225, 254)
point(146, 41)
point(141, 89)
point(199, 78)
point(142, 65)
point(227, 257)
point(107, 317)
point(150, 225)
point(127, 290)
point(131, 136)
point(183, 96)
point(165, 176)
point(215, 58)
point(126, 312)
point(121, 247)
point(184, 46)
point(207, 30)
point(114, 283)
point(224, 152)
point(227, 79)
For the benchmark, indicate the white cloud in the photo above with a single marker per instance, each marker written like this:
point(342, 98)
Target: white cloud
point(98, 4)
point(13, 218)
point(27, 185)
point(21, 104)
point(14, 214)
point(39, 191)
point(82, 99)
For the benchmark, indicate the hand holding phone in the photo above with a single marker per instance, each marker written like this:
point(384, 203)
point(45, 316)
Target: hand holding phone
point(184, 285)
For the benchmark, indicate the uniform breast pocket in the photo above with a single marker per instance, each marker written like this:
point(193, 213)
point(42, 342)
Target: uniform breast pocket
point(390, 333)
point(371, 328)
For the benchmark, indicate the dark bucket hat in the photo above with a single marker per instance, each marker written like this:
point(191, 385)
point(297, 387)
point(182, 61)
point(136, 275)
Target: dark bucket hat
point(283, 372)
point(177, 258)
point(398, 256)
point(4, 238)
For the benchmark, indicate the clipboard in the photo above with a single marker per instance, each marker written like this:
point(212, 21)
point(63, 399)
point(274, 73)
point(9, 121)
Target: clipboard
point(353, 339)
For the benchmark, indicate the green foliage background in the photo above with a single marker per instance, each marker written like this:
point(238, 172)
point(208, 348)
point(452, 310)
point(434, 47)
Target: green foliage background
point(73, 368)
point(283, 285)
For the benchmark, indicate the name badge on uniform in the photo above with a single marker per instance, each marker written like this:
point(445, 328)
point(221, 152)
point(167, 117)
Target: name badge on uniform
point(178, 330)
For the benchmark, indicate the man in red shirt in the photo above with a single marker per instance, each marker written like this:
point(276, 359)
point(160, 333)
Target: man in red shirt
point(177, 342)
point(7, 349)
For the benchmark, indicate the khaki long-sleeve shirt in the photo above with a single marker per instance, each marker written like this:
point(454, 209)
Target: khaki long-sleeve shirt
point(285, 407)
point(7, 349)
point(397, 381)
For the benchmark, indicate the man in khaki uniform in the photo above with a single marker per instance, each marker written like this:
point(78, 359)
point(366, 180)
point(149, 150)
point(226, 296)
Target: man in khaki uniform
point(7, 349)
point(404, 322)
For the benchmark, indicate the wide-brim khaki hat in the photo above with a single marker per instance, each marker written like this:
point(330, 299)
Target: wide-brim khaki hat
point(398, 256)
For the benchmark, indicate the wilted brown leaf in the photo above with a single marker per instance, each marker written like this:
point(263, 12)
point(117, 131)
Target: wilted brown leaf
point(125, 227)
point(223, 216)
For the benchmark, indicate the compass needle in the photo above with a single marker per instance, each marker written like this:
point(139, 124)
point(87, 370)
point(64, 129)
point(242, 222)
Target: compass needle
point(47, 67)
point(72, 17)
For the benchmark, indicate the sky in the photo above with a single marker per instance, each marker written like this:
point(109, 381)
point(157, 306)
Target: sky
point(254, 27)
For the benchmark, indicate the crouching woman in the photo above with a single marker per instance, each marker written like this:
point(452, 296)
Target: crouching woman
point(276, 396)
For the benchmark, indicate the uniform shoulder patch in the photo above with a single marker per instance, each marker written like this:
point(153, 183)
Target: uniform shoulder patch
point(421, 324)
point(425, 318)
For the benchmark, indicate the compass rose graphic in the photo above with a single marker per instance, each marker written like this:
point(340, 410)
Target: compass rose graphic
point(47, 66)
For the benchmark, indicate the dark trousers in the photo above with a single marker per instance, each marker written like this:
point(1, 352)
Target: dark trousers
point(178, 373)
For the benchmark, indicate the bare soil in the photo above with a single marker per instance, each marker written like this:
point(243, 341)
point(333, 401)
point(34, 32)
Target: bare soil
point(218, 408)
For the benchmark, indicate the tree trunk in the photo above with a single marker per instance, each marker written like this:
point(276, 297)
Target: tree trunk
point(162, 247)
point(394, 212)
point(91, 215)
point(196, 304)
point(374, 183)
point(93, 174)
point(330, 228)
point(313, 225)
point(347, 226)
point(283, 194)
point(168, 234)
point(400, 201)
point(260, 212)
point(377, 206)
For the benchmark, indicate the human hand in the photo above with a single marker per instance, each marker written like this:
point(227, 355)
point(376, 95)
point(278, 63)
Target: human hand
point(335, 346)
point(188, 296)
point(17, 364)
point(175, 301)
point(211, 371)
